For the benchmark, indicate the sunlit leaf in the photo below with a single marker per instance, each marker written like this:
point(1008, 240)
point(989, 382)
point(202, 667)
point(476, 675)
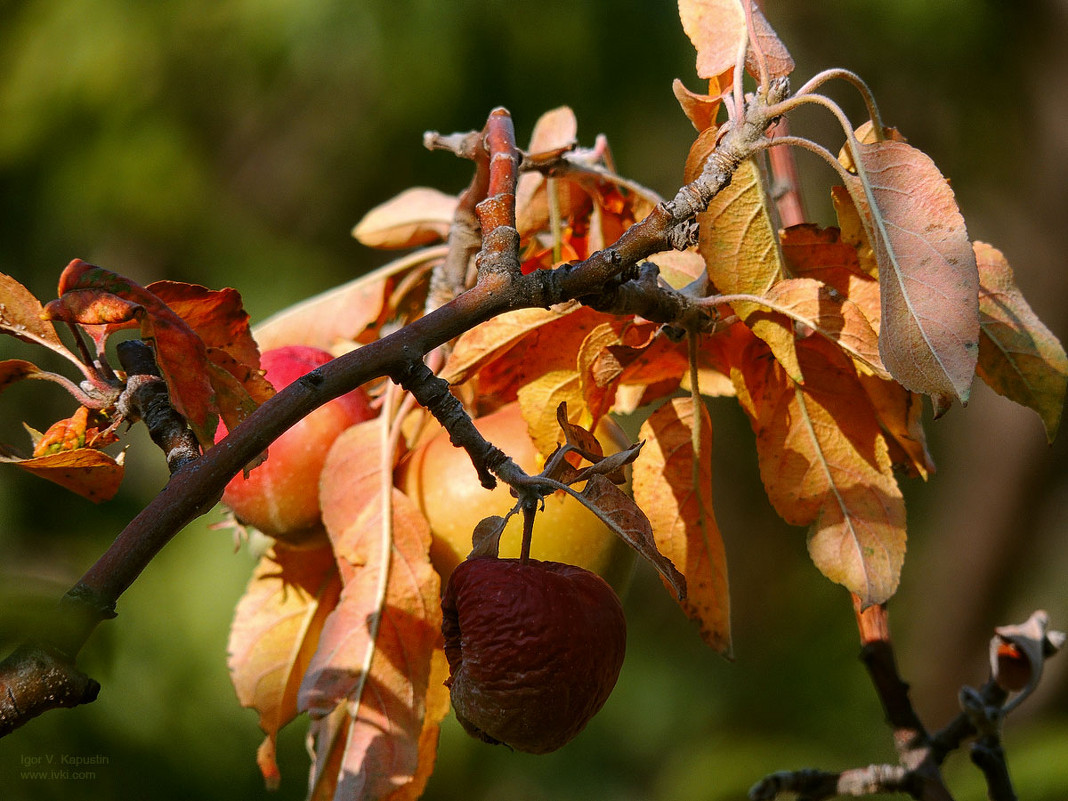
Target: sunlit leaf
point(900, 413)
point(741, 249)
point(275, 632)
point(417, 216)
point(929, 331)
point(180, 353)
point(673, 485)
point(367, 684)
point(825, 464)
point(716, 29)
point(700, 110)
point(20, 317)
point(1019, 357)
point(88, 472)
point(217, 315)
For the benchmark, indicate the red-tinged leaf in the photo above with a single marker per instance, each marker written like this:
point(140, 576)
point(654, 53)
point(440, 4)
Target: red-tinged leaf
point(341, 315)
point(21, 317)
point(1018, 356)
point(88, 472)
point(823, 310)
point(673, 485)
point(92, 307)
point(417, 216)
point(825, 463)
point(929, 331)
point(275, 632)
point(900, 413)
point(716, 29)
point(217, 315)
point(700, 110)
point(599, 370)
point(180, 353)
point(367, 685)
point(234, 398)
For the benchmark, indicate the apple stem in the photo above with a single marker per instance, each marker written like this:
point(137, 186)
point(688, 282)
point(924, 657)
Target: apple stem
point(529, 510)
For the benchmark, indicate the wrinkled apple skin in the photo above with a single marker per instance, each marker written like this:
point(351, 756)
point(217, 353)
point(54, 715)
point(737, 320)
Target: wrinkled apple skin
point(280, 497)
point(444, 485)
point(534, 649)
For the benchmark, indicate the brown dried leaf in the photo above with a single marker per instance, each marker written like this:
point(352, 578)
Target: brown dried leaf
point(929, 331)
point(367, 685)
point(900, 413)
point(700, 110)
point(217, 315)
point(673, 485)
point(1019, 357)
point(620, 513)
point(275, 632)
point(417, 216)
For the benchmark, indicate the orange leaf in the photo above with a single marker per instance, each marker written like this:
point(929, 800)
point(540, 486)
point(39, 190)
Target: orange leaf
point(88, 472)
point(275, 632)
point(1018, 356)
point(555, 131)
point(929, 332)
point(900, 413)
point(20, 316)
point(14, 370)
point(673, 485)
point(367, 686)
point(825, 463)
point(716, 29)
point(417, 216)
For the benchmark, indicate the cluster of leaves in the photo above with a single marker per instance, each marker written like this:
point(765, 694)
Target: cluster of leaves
point(828, 337)
point(203, 347)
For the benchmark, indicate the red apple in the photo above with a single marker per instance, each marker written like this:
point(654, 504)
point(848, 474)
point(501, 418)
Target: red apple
point(280, 497)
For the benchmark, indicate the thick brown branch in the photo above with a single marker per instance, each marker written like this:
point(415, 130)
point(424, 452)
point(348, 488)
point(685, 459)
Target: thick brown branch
point(35, 678)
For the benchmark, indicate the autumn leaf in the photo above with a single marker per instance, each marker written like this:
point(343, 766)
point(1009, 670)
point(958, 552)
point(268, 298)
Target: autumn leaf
point(217, 316)
point(717, 27)
point(275, 632)
point(21, 317)
point(673, 485)
point(89, 472)
point(340, 316)
point(367, 685)
point(825, 463)
point(417, 216)
point(929, 331)
point(900, 413)
point(180, 354)
point(555, 131)
point(1019, 357)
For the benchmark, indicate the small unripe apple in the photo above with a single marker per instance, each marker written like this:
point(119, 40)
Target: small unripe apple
point(441, 480)
point(534, 649)
point(280, 497)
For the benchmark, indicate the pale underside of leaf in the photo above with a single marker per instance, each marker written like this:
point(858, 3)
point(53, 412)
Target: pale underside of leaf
point(673, 485)
point(417, 216)
point(929, 336)
point(716, 29)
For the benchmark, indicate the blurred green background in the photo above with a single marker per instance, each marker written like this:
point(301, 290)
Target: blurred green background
point(233, 142)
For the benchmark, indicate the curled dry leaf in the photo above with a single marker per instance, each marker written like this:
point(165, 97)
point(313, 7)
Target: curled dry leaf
point(1018, 654)
point(700, 110)
point(20, 317)
point(417, 216)
point(368, 687)
point(1019, 357)
point(88, 472)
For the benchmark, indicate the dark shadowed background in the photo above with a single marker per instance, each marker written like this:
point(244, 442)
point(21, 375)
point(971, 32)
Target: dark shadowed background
point(235, 143)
